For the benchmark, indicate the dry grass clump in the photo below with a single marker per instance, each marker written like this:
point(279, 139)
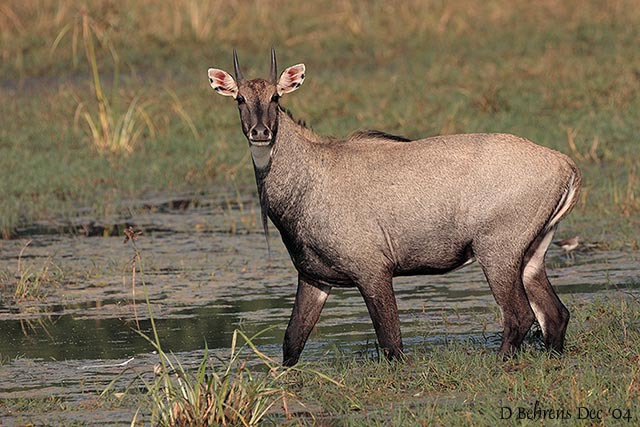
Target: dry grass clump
point(30, 281)
point(225, 394)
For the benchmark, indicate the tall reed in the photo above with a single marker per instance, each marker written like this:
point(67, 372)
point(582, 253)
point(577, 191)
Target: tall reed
point(110, 130)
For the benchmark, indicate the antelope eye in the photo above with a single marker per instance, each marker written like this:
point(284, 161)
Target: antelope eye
point(240, 99)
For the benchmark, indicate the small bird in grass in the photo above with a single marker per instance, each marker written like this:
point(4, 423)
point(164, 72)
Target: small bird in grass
point(568, 245)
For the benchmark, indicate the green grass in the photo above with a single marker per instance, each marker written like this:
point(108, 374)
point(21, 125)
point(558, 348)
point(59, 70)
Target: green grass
point(465, 384)
point(562, 73)
point(595, 382)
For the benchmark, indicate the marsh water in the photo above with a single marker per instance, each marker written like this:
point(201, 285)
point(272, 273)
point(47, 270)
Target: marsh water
point(207, 271)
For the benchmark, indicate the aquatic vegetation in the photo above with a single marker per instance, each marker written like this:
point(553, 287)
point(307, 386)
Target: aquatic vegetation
point(219, 392)
point(31, 281)
point(223, 393)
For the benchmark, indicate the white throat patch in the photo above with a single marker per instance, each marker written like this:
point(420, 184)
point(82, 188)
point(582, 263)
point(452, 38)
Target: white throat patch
point(261, 155)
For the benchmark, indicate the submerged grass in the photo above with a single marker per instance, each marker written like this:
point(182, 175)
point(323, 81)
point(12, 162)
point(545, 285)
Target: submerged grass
point(29, 281)
point(562, 73)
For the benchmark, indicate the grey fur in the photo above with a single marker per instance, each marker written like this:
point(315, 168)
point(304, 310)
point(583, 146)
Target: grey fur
point(360, 211)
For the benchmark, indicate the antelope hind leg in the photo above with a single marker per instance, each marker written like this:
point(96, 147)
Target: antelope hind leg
point(383, 310)
point(508, 290)
point(551, 314)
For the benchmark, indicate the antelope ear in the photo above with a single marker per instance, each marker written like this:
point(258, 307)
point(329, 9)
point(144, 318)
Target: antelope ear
point(291, 79)
point(222, 82)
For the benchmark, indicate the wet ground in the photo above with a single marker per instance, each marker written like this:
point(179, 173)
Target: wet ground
point(207, 271)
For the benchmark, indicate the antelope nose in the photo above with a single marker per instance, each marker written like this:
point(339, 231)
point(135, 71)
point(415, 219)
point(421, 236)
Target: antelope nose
point(260, 133)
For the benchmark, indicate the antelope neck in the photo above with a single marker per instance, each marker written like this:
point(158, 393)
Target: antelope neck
point(261, 155)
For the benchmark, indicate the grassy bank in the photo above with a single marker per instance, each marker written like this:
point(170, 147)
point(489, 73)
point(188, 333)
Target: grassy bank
point(596, 382)
point(564, 74)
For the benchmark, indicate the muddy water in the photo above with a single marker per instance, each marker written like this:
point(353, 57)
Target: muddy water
point(206, 271)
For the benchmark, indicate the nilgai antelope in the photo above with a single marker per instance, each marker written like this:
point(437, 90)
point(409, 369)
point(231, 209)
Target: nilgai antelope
point(358, 212)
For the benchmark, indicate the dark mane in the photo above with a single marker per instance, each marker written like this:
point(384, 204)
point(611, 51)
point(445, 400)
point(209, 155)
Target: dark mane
point(368, 134)
point(358, 135)
point(288, 113)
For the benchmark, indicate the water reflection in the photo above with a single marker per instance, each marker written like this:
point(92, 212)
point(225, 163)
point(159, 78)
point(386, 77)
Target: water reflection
point(219, 282)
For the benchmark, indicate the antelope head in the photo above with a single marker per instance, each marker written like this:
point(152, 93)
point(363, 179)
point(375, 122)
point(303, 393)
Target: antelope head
point(257, 99)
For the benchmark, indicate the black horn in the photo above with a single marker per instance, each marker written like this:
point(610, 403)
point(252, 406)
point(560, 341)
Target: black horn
point(274, 66)
point(236, 67)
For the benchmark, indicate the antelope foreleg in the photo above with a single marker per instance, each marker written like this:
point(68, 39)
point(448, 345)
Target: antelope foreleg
point(310, 299)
